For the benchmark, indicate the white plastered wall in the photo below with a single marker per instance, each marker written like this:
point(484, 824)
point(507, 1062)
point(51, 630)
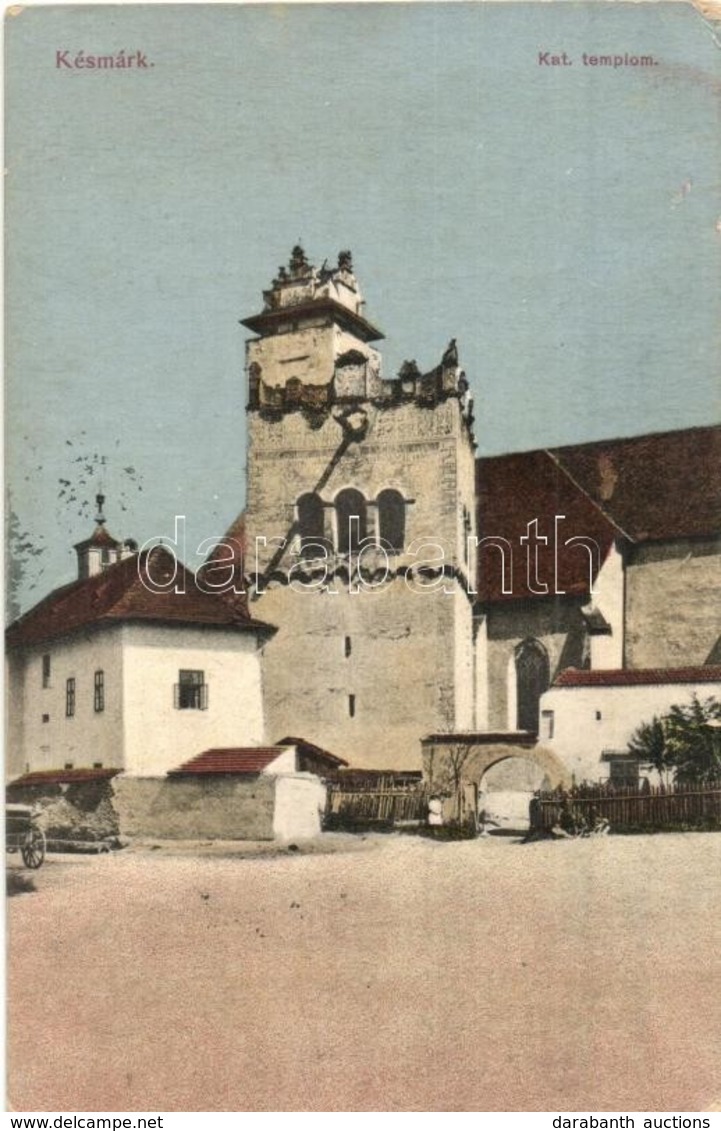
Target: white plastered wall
point(158, 735)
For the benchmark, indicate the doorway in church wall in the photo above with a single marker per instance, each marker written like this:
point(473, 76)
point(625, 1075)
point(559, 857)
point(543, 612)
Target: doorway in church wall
point(532, 679)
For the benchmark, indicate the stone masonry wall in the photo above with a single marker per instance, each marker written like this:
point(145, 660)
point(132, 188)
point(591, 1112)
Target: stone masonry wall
point(556, 623)
point(409, 448)
point(191, 808)
point(673, 617)
point(403, 653)
point(400, 670)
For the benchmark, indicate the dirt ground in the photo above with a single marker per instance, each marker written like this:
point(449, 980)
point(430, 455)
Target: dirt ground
point(388, 974)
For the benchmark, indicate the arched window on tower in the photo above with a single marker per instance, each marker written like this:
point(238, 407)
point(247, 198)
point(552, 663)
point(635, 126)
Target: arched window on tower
point(392, 520)
point(311, 525)
point(532, 679)
point(352, 518)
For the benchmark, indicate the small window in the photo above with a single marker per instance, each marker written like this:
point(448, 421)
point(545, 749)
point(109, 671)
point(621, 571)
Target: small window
point(46, 718)
point(547, 721)
point(352, 520)
point(392, 521)
point(348, 648)
point(466, 533)
point(351, 706)
point(69, 699)
point(311, 526)
point(599, 716)
point(191, 691)
point(97, 765)
point(624, 772)
point(46, 671)
point(99, 692)
point(69, 766)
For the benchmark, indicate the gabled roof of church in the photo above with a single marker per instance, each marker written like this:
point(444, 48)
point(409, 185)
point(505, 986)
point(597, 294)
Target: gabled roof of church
point(515, 490)
point(660, 487)
point(664, 485)
point(127, 591)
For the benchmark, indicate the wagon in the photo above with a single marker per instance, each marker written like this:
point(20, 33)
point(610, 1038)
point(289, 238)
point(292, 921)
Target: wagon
point(23, 835)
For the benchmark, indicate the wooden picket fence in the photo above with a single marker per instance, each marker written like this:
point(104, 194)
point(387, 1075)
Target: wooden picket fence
point(655, 807)
point(376, 801)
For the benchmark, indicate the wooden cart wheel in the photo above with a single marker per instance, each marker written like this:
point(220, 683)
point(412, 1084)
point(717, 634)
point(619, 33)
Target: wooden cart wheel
point(33, 848)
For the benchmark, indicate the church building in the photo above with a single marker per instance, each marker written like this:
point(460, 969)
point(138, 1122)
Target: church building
point(387, 593)
point(422, 591)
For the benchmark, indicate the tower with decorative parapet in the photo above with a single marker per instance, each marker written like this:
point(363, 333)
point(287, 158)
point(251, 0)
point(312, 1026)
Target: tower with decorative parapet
point(360, 506)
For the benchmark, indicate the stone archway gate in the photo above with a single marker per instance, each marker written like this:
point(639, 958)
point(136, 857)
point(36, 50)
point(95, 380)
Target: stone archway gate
point(454, 764)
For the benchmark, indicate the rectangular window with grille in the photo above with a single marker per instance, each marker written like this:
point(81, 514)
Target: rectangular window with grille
point(191, 691)
point(99, 692)
point(69, 698)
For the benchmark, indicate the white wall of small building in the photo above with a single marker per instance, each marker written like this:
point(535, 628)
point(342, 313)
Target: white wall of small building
point(587, 721)
point(160, 736)
point(299, 805)
point(87, 737)
point(285, 763)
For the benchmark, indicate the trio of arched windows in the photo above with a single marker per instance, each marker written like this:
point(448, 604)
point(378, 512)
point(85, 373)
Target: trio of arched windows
point(352, 520)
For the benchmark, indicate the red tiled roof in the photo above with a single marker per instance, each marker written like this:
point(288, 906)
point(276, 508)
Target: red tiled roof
point(64, 777)
point(664, 485)
point(229, 551)
point(99, 537)
point(230, 760)
point(124, 592)
point(513, 491)
point(657, 487)
point(632, 677)
point(310, 749)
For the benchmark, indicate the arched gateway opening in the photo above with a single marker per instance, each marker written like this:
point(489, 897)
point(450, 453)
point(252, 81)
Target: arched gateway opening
point(500, 770)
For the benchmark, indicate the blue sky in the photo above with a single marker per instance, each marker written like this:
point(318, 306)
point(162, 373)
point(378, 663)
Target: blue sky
point(560, 222)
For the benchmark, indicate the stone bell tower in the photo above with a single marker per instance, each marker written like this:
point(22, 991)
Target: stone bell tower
point(359, 508)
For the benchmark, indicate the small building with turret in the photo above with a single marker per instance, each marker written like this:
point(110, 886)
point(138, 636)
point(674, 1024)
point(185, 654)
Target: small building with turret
point(134, 666)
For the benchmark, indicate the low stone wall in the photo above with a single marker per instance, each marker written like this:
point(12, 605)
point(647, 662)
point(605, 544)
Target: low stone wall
point(222, 808)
